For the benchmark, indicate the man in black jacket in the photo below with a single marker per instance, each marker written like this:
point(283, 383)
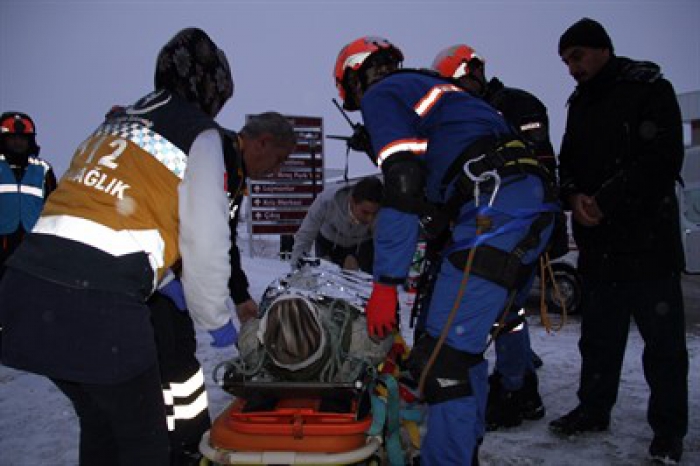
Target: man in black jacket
point(258, 149)
point(621, 156)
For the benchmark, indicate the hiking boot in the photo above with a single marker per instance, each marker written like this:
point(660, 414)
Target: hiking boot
point(579, 421)
point(509, 408)
point(529, 400)
point(666, 450)
point(502, 408)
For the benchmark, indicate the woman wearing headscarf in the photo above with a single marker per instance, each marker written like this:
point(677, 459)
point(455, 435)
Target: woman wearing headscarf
point(73, 297)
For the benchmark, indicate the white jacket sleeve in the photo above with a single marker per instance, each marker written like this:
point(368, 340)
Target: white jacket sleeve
point(205, 238)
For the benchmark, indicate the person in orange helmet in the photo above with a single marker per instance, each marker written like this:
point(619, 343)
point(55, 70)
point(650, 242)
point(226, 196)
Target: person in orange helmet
point(449, 161)
point(513, 393)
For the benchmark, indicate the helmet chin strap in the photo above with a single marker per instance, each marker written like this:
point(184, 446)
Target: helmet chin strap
point(354, 87)
point(477, 74)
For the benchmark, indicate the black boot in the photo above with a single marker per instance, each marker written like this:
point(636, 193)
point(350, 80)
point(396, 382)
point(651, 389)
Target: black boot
point(666, 450)
point(579, 421)
point(475, 453)
point(502, 409)
point(531, 406)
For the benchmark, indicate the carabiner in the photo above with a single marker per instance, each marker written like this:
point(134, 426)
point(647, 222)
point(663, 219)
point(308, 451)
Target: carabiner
point(485, 176)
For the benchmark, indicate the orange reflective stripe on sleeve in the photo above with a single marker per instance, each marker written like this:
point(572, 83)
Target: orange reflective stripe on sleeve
point(417, 146)
point(433, 96)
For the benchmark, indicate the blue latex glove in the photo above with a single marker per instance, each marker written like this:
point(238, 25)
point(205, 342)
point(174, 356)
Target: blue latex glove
point(174, 291)
point(224, 336)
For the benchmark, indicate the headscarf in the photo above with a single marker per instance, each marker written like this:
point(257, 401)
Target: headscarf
point(193, 67)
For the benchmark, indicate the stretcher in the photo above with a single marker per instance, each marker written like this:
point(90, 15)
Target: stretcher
point(273, 420)
point(293, 423)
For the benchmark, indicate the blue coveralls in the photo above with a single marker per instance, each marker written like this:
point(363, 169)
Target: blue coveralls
point(429, 117)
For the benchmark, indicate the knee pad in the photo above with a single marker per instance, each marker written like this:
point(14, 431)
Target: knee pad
point(448, 377)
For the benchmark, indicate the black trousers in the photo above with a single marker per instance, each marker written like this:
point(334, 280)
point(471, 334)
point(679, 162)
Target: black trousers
point(657, 308)
point(121, 424)
point(182, 379)
point(364, 252)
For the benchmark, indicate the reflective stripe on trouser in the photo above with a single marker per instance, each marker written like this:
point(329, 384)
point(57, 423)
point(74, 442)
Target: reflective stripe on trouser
point(182, 378)
point(514, 353)
point(512, 323)
point(185, 401)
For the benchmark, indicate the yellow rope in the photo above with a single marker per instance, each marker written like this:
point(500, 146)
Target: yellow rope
point(547, 273)
point(544, 315)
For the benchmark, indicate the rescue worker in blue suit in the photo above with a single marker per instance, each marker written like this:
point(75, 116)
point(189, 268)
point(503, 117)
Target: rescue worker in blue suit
point(426, 131)
point(513, 385)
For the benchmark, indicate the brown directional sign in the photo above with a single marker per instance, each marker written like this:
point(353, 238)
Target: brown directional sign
point(301, 122)
point(296, 175)
point(275, 215)
point(279, 202)
point(275, 229)
point(303, 162)
point(305, 147)
point(284, 189)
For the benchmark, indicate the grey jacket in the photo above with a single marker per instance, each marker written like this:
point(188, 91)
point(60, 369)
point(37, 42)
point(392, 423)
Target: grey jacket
point(329, 215)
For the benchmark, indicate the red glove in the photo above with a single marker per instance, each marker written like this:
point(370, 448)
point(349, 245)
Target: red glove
point(381, 310)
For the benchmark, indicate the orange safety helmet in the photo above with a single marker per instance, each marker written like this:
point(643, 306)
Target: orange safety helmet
point(16, 123)
point(453, 61)
point(353, 56)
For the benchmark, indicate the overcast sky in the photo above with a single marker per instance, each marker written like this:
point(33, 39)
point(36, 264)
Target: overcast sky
point(66, 62)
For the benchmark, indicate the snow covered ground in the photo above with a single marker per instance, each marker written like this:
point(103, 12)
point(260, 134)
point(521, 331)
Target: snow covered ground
point(38, 426)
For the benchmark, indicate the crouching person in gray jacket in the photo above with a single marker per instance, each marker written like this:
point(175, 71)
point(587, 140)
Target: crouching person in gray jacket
point(340, 222)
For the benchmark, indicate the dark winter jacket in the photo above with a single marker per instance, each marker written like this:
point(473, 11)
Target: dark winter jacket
point(527, 114)
point(624, 145)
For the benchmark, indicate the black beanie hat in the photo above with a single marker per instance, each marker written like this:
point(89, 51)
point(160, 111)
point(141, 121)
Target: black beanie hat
point(585, 33)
